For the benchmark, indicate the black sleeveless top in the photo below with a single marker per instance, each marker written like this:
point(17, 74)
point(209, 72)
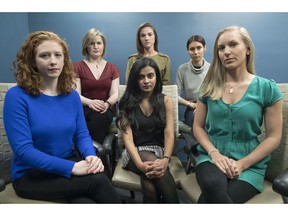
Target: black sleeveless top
point(147, 135)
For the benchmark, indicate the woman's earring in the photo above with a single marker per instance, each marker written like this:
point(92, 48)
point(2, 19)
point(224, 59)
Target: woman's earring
point(248, 53)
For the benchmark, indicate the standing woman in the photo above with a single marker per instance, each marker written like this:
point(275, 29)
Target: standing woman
point(147, 122)
point(190, 76)
point(233, 103)
point(45, 125)
point(97, 84)
point(147, 46)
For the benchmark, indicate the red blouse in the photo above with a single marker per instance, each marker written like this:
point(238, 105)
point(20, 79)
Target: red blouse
point(92, 88)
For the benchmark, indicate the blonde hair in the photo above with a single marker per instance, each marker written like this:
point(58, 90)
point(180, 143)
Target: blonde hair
point(89, 38)
point(25, 70)
point(213, 83)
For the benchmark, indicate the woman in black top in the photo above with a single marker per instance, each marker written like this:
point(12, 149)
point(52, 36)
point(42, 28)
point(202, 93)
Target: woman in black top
point(147, 122)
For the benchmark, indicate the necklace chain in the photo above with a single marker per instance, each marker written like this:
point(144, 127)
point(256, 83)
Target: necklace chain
point(97, 64)
point(231, 90)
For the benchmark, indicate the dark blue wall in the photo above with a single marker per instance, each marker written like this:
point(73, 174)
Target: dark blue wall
point(13, 30)
point(267, 31)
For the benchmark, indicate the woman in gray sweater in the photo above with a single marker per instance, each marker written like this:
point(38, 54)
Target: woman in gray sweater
point(190, 76)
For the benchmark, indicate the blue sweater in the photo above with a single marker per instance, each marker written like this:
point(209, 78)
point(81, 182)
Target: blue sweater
point(42, 131)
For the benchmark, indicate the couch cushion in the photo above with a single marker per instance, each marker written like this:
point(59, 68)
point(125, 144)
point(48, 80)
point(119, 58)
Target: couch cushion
point(128, 180)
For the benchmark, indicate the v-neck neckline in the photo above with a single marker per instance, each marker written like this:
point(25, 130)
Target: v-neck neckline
point(143, 113)
point(91, 72)
point(243, 96)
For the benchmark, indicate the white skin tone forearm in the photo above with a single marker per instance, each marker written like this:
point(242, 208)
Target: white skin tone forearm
point(233, 169)
point(184, 102)
point(91, 165)
point(100, 105)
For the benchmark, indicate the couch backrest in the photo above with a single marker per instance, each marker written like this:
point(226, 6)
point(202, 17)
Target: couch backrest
point(5, 149)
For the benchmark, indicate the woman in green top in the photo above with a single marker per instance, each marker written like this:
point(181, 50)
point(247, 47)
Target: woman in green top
point(232, 105)
point(147, 46)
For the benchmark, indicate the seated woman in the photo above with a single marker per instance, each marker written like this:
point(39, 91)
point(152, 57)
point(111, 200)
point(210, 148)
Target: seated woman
point(147, 46)
point(97, 84)
point(232, 104)
point(45, 125)
point(147, 122)
point(190, 75)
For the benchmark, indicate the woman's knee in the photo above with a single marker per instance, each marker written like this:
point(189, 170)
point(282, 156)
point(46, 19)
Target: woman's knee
point(100, 179)
point(210, 177)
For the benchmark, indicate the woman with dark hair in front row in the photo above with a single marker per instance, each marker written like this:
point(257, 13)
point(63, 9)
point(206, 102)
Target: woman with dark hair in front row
point(147, 122)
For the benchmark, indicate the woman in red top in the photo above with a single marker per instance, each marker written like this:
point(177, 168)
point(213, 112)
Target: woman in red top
point(97, 84)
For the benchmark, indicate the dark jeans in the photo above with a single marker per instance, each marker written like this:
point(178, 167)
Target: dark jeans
point(94, 188)
point(98, 123)
point(192, 143)
point(189, 116)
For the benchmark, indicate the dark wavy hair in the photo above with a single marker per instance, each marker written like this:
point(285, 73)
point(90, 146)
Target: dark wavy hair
point(25, 70)
point(132, 97)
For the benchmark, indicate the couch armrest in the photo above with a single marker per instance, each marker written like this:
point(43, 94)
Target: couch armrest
point(2, 184)
point(100, 148)
point(280, 184)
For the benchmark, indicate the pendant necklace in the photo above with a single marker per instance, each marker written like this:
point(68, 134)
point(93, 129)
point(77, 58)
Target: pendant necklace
point(97, 64)
point(232, 87)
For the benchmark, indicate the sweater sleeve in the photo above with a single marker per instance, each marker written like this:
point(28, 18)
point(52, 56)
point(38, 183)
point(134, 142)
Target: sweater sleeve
point(179, 82)
point(164, 64)
point(17, 126)
point(82, 138)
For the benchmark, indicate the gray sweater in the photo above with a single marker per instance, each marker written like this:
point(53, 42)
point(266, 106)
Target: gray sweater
point(189, 79)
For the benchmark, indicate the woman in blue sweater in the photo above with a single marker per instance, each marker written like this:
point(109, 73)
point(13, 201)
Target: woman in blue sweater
point(54, 157)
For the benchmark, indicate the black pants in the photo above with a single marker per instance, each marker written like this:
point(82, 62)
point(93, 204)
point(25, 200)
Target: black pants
point(94, 188)
point(98, 123)
point(217, 188)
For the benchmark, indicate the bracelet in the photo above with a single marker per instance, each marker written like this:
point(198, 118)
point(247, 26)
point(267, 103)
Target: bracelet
point(108, 103)
point(188, 104)
point(169, 158)
point(212, 152)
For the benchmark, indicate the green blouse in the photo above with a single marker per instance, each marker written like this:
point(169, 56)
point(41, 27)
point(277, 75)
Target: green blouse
point(163, 62)
point(234, 128)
